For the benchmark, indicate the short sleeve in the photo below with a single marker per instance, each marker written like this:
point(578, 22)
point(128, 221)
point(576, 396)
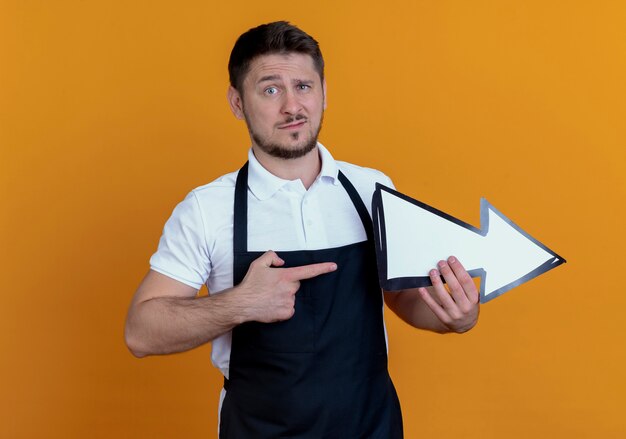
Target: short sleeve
point(182, 253)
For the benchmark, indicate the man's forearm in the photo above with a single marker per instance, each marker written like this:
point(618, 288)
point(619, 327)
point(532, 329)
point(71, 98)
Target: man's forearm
point(411, 308)
point(165, 325)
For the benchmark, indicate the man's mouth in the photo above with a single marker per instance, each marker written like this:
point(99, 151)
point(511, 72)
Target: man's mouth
point(293, 124)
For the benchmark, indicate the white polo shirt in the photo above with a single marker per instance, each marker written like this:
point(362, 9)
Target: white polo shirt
point(196, 247)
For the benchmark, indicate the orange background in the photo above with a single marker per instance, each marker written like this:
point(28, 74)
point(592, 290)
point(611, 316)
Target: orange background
point(111, 111)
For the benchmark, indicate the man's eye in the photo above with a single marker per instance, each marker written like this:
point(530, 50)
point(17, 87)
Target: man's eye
point(271, 90)
point(304, 86)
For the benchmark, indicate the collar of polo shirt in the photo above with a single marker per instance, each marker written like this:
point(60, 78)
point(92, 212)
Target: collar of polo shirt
point(263, 184)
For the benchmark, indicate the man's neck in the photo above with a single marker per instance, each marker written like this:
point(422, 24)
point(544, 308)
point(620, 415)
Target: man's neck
point(305, 168)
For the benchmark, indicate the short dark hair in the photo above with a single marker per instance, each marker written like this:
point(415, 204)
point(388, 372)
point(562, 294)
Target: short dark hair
point(278, 37)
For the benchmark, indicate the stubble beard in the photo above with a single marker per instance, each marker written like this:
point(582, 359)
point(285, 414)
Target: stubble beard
point(282, 152)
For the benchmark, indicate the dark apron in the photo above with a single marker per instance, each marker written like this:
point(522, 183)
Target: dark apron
point(322, 373)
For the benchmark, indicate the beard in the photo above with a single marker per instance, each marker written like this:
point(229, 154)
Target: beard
point(287, 152)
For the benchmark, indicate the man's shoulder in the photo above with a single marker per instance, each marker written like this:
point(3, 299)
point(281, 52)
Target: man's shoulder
point(211, 200)
point(361, 175)
point(221, 186)
point(364, 180)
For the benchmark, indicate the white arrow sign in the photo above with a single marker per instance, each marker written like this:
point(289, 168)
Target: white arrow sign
point(411, 237)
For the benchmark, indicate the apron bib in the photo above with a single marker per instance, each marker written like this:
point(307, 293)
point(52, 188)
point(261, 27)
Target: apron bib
point(322, 373)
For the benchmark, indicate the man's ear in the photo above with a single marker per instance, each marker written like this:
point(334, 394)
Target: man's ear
point(324, 90)
point(235, 101)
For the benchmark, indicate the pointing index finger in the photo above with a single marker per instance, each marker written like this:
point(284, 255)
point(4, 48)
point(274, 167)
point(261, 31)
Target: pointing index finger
point(309, 271)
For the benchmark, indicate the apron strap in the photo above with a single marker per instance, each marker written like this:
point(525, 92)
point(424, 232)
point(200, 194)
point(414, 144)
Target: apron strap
point(240, 212)
point(359, 205)
point(240, 220)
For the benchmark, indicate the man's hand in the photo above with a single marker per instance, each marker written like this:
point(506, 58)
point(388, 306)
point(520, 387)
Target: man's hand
point(457, 308)
point(267, 293)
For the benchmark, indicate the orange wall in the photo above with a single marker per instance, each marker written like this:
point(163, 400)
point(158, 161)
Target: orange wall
point(111, 111)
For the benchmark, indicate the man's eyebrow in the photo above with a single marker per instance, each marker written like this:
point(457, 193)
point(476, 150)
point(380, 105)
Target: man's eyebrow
point(269, 78)
point(278, 77)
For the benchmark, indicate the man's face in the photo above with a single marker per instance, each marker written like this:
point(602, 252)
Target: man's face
point(283, 104)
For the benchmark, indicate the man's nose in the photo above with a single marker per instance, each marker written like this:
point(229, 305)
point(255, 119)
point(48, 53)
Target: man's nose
point(291, 103)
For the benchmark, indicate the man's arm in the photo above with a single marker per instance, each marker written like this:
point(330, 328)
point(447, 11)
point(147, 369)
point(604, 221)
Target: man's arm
point(436, 309)
point(165, 316)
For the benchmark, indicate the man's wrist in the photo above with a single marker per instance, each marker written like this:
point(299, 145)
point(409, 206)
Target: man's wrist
point(235, 302)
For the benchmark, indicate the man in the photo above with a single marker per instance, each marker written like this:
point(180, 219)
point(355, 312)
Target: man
point(297, 330)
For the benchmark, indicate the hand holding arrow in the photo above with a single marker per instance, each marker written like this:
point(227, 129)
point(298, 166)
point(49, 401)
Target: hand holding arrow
point(458, 308)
